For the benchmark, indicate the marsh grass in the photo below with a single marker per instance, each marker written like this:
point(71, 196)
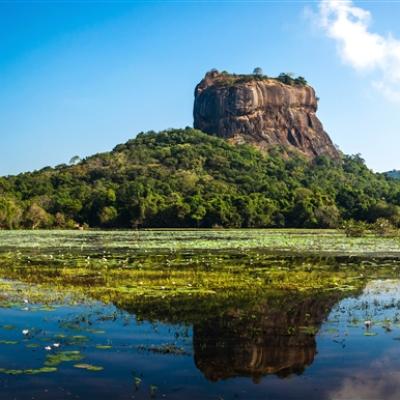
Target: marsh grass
point(288, 241)
point(160, 271)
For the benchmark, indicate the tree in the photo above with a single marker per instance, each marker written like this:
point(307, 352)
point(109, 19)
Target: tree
point(185, 178)
point(108, 215)
point(258, 71)
point(300, 81)
point(10, 213)
point(37, 217)
point(74, 160)
point(286, 78)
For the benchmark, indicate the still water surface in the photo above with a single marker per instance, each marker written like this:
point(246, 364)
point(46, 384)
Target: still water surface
point(287, 346)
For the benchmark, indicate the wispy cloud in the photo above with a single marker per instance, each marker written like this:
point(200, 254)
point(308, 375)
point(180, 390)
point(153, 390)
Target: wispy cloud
point(372, 381)
point(359, 46)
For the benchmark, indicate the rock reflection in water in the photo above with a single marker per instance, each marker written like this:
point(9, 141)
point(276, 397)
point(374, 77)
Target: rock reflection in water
point(276, 338)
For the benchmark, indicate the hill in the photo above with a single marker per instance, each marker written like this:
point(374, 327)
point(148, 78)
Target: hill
point(395, 174)
point(186, 178)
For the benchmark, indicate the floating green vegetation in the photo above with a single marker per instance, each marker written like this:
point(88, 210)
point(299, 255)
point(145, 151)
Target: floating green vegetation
point(32, 345)
point(309, 330)
point(137, 382)
point(47, 308)
point(77, 339)
point(8, 327)
point(54, 360)
point(153, 390)
point(57, 244)
point(168, 348)
point(9, 342)
point(223, 294)
point(43, 370)
point(191, 273)
point(89, 367)
point(331, 331)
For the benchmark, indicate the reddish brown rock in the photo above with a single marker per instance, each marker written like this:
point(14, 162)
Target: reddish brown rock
point(262, 112)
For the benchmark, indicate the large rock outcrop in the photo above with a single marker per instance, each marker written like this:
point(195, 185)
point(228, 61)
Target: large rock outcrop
point(263, 112)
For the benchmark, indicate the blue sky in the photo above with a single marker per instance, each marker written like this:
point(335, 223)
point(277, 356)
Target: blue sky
point(79, 77)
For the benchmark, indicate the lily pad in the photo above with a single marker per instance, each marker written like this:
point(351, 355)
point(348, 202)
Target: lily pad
point(8, 327)
point(103, 347)
point(35, 371)
point(53, 360)
point(89, 367)
point(32, 345)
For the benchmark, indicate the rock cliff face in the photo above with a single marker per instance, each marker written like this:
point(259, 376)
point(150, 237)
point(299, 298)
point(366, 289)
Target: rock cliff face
point(262, 112)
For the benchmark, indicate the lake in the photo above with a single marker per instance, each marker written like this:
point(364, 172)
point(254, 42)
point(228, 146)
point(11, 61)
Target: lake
point(199, 315)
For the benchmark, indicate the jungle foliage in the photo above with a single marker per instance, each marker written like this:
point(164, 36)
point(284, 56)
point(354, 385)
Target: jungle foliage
point(185, 178)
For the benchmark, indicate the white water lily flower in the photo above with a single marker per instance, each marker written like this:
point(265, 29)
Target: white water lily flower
point(26, 301)
point(48, 348)
point(56, 345)
point(25, 332)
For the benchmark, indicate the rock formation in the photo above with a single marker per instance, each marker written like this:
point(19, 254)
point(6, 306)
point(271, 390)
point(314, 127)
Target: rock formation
point(263, 112)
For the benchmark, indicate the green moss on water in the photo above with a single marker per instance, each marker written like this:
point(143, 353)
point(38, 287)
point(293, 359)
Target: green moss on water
point(54, 360)
point(289, 241)
point(32, 346)
point(89, 367)
point(189, 275)
point(43, 370)
point(8, 327)
point(309, 330)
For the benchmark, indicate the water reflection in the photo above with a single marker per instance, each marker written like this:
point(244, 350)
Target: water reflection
point(274, 334)
point(319, 340)
point(278, 337)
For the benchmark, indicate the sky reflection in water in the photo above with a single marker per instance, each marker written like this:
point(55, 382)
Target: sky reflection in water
point(287, 346)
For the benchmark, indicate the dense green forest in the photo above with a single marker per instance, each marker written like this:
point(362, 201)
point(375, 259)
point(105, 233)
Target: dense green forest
point(185, 178)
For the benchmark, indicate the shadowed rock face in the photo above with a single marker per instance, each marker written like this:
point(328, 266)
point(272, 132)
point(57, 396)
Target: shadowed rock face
point(277, 338)
point(263, 113)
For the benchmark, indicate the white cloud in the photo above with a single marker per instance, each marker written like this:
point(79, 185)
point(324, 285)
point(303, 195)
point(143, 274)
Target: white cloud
point(379, 380)
point(359, 47)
